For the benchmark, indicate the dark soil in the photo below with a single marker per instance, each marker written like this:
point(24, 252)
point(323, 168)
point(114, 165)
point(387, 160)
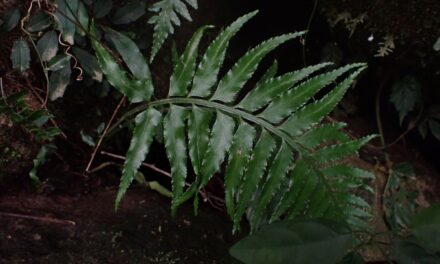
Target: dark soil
point(85, 229)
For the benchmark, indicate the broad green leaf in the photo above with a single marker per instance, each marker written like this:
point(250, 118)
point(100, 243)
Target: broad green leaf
point(83, 19)
point(146, 123)
point(184, 70)
point(135, 90)
point(39, 22)
point(434, 127)
point(10, 19)
point(101, 8)
point(239, 155)
point(405, 95)
point(426, 228)
point(66, 18)
point(243, 70)
point(266, 91)
point(58, 62)
point(89, 63)
point(20, 55)
point(129, 13)
point(291, 100)
point(408, 252)
point(295, 242)
point(131, 55)
point(47, 45)
point(207, 72)
point(58, 82)
point(175, 143)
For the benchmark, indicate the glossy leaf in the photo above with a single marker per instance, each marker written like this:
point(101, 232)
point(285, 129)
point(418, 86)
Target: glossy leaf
point(294, 242)
point(58, 82)
point(66, 18)
point(39, 22)
point(129, 13)
point(89, 63)
point(10, 19)
point(426, 228)
point(405, 95)
point(47, 45)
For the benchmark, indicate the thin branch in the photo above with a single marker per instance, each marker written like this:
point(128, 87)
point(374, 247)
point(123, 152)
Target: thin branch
point(207, 197)
point(115, 112)
point(39, 218)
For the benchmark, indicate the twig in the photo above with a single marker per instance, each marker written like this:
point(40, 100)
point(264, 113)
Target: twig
point(304, 40)
point(39, 218)
point(150, 166)
point(1, 88)
point(205, 195)
point(115, 112)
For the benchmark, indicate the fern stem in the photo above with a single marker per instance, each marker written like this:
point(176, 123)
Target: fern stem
point(213, 105)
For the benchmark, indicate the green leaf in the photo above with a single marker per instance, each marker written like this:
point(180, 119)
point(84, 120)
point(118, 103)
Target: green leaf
point(434, 127)
point(129, 13)
point(277, 171)
point(101, 8)
point(47, 45)
point(87, 139)
point(146, 123)
point(405, 95)
point(220, 141)
point(20, 55)
point(239, 155)
point(294, 242)
point(313, 113)
point(184, 70)
point(243, 70)
point(131, 55)
point(167, 15)
point(39, 160)
point(89, 63)
point(58, 82)
point(59, 62)
point(39, 22)
point(208, 69)
point(265, 92)
point(252, 177)
point(175, 143)
point(278, 177)
point(10, 19)
point(426, 228)
point(436, 46)
point(135, 90)
point(83, 19)
point(291, 100)
point(408, 252)
point(66, 18)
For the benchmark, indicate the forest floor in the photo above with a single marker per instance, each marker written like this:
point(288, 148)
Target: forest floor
point(37, 228)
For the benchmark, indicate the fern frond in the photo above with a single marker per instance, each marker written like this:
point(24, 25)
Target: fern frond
point(279, 162)
point(167, 17)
